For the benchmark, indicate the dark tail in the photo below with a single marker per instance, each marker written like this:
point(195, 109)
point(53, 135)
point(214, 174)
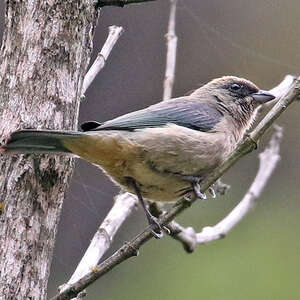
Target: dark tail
point(39, 141)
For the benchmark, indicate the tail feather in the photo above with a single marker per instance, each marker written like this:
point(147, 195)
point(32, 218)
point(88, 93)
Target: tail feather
point(39, 141)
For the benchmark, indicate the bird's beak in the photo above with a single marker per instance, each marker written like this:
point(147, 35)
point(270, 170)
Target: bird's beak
point(262, 97)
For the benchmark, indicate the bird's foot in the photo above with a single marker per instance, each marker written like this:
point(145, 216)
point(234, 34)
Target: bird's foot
point(156, 228)
point(195, 183)
point(212, 192)
point(195, 186)
point(197, 191)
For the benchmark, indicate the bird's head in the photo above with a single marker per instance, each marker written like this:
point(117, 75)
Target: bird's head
point(235, 96)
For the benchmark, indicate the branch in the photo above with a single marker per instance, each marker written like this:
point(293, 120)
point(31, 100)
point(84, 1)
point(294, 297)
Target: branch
point(268, 161)
point(124, 203)
point(103, 238)
point(278, 91)
point(120, 3)
point(131, 249)
point(114, 32)
point(281, 89)
point(171, 53)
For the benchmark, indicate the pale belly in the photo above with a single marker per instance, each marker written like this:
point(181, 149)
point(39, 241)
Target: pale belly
point(153, 185)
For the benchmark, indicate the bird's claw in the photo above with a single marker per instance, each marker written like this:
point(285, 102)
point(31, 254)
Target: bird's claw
point(198, 193)
point(167, 230)
point(156, 228)
point(157, 235)
point(212, 192)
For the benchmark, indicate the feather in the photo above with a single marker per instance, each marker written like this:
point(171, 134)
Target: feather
point(190, 113)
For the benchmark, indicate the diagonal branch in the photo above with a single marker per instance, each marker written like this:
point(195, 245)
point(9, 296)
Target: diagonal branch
point(114, 32)
point(124, 203)
point(171, 53)
point(120, 3)
point(107, 230)
point(103, 238)
point(131, 249)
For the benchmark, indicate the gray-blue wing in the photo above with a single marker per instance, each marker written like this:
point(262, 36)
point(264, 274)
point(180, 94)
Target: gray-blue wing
point(190, 113)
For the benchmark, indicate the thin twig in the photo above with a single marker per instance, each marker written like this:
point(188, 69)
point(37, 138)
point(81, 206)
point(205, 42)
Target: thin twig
point(114, 32)
point(103, 238)
point(278, 91)
point(119, 3)
point(171, 53)
point(130, 249)
point(107, 230)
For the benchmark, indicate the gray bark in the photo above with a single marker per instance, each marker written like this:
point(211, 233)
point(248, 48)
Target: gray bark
point(44, 55)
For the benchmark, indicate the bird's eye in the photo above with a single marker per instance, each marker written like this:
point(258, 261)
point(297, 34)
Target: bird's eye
point(235, 87)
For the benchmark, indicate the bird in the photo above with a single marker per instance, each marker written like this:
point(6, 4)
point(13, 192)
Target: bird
point(163, 152)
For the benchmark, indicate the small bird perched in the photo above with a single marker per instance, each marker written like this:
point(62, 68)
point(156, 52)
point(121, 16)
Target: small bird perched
point(164, 151)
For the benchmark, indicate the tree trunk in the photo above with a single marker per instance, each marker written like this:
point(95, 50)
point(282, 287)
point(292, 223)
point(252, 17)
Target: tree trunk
point(45, 51)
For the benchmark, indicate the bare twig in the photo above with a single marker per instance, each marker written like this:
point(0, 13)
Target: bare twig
point(171, 53)
point(102, 240)
point(120, 3)
point(278, 91)
point(269, 159)
point(114, 32)
point(107, 230)
point(282, 87)
point(130, 249)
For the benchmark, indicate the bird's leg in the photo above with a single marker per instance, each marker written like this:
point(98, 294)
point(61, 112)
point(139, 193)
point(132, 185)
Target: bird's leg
point(156, 229)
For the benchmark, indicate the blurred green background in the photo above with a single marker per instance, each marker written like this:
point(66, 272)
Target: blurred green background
point(259, 259)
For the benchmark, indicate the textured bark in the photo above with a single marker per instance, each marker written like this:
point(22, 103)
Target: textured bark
point(44, 55)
